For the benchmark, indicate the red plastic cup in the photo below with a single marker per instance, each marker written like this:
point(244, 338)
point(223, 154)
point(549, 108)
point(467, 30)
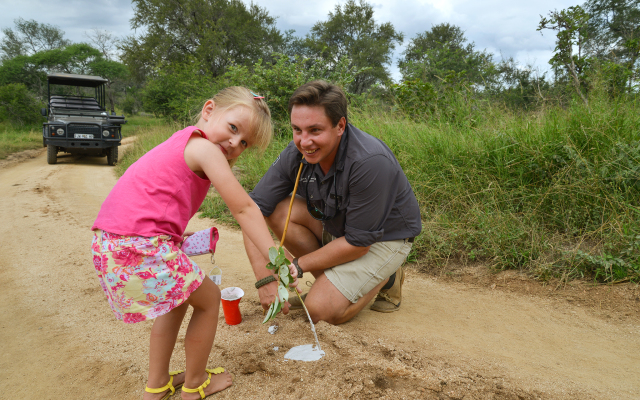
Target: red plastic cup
point(230, 299)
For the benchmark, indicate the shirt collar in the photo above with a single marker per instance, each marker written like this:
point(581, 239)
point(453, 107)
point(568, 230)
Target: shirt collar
point(341, 155)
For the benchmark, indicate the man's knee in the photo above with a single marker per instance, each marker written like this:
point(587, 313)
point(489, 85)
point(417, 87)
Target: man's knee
point(330, 315)
point(325, 305)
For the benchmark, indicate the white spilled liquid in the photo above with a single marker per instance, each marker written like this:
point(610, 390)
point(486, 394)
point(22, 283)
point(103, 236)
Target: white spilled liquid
point(306, 352)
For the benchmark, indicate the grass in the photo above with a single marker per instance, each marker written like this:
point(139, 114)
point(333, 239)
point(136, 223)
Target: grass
point(554, 193)
point(148, 134)
point(140, 122)
point(16, 139)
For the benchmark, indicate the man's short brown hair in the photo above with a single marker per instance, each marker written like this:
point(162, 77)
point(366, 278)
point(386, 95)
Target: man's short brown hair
point(321, 93)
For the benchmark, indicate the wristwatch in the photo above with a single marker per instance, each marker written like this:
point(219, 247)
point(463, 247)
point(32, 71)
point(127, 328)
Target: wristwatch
point(295, 262)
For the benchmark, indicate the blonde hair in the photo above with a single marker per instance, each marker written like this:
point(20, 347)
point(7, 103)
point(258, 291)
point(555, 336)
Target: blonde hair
point(260, 122)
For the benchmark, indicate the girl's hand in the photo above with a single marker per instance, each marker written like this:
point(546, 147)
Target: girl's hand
point(184, 236)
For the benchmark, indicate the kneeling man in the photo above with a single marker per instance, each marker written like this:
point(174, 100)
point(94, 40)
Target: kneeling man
point(354, 215)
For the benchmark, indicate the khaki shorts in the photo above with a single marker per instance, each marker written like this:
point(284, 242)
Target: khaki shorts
point(356, 278)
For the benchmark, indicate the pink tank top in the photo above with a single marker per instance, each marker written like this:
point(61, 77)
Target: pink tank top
point(157, 195)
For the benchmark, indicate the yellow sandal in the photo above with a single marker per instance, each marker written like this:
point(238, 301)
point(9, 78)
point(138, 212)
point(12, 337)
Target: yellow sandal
point(168, 386)
point(200, 389)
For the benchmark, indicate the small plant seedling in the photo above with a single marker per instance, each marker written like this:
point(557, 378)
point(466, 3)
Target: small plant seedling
point(280, 265)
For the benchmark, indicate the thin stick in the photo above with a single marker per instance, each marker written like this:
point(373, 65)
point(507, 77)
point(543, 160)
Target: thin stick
point(286, 223)
point(293, 196)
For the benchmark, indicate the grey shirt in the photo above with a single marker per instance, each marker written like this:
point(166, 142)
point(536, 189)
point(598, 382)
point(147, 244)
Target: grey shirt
point(372, 199)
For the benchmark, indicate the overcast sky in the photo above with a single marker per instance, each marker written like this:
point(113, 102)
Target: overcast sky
point(503, 27)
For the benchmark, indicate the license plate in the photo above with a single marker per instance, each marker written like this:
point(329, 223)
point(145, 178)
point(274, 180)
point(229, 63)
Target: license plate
point(83, 136)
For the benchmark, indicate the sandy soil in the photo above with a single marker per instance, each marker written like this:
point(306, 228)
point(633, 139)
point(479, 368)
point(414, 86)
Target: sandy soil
point(467, 334)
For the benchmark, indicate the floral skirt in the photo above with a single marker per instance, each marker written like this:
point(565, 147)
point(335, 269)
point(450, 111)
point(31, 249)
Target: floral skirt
point(143, 277)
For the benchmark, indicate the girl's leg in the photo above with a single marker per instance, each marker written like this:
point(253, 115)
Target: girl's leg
point(163, 339)
point(199, 339)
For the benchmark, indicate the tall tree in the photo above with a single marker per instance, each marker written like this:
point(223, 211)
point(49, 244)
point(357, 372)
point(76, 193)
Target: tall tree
point(30, 37)
point(441, 51)
point(350, 31)
point(78, 58)
point(571, 26)
point(614, 32)
point(211, 33)
point(104, 41)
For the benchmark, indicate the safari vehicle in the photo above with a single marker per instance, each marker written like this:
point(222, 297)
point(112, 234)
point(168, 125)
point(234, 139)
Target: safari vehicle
point(77, 119)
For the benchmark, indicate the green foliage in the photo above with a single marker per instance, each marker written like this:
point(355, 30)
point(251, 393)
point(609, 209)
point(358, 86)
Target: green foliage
point(452, 102)
point(148, 136)
point(18, 106)
point(278, 80)
point(614, 36)
point(23, 70)
point(518, 190)
point(213, 34)
point(251, 166)
point(571, 26)
point(30, 37)
point(136, 124)
point(554, 192)
point(441, 51)
point(279, 264)
point(416, 98)
point(214, 207)
point(350, 31)
point(517, 87)
point(78, 58)
point(178, 94)
point(14, 139)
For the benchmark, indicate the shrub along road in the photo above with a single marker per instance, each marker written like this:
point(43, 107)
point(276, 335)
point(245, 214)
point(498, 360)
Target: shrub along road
point(450, 340)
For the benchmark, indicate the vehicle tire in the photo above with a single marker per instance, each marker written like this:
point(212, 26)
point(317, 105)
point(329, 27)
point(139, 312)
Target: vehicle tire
point(112, 155)
point(52, 154)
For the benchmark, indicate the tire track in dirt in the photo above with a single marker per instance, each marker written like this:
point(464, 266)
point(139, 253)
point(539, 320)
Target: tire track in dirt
point(447, 342)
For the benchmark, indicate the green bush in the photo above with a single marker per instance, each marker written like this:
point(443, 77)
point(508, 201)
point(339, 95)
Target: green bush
point(526, 191)
point(278, 80)
point(18, 106)
point(178, 95)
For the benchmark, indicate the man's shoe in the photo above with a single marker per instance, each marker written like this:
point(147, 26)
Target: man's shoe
point(388, 300)
point(294, 301)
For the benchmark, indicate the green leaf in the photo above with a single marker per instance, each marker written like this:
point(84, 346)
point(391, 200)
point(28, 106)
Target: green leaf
point(280, 265)
point(281, 259)
point(273, 253)
point(283, 293)
point(284, 274)
point(270, 313)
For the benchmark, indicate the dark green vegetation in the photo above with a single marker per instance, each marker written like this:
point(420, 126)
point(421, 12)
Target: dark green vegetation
point(512, 168)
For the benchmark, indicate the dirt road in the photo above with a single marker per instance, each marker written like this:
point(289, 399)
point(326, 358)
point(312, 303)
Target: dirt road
point(474, 336)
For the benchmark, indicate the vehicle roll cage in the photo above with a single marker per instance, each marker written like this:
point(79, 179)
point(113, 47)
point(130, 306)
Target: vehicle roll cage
point(77, 102)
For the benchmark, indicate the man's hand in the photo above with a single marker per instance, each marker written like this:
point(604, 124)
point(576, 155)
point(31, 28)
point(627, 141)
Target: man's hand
point(294, 273)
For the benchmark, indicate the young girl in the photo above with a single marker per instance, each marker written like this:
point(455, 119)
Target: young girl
point(136, 246)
